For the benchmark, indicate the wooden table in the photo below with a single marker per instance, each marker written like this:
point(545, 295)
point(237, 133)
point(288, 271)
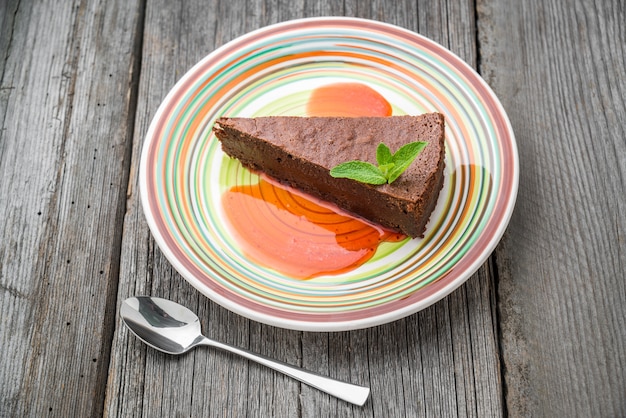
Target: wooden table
point(539, 330)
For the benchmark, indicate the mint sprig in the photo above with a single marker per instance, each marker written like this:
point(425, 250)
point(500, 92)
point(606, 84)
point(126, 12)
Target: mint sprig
point(389, 168)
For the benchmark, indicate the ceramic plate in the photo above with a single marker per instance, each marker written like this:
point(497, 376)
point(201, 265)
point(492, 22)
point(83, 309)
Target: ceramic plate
point(272, 71)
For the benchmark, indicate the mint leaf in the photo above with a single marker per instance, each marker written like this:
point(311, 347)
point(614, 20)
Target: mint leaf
point(403, 159)
point(386, 169)
point(359, 171)
point(390, 166)
point(383, 154)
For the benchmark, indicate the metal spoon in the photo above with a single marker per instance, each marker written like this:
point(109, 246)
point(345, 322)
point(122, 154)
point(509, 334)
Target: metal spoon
point(174, 329)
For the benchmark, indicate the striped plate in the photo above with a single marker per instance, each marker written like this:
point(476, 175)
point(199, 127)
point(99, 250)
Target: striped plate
point(272, 71)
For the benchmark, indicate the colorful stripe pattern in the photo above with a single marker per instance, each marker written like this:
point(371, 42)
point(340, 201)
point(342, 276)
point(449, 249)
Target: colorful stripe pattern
point(272, 71)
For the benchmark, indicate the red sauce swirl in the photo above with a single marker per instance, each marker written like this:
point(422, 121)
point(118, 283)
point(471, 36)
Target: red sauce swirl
point(298, 235)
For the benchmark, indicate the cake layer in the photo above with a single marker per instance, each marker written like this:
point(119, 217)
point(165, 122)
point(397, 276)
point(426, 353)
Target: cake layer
point(300, 152)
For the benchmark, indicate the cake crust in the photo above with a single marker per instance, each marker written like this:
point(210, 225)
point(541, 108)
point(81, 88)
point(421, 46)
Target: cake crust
point(300, 151)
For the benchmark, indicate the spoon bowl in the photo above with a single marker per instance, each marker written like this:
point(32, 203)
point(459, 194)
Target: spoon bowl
point(162, 324)
point(172, 328)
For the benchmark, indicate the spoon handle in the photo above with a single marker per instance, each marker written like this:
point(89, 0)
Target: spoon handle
point(342, 390)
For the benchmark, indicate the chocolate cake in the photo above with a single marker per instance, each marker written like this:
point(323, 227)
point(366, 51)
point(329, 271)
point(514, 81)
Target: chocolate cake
point(300, 151)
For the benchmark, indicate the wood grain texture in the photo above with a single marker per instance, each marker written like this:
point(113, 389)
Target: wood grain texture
point(67, 75)
point(79, 84)
point(559, 68)
point(440, 362)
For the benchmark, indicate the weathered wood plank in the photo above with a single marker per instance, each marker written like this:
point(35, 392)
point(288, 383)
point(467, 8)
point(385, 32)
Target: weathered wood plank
point(67, 72)
point(559, 68)
point(219, 384)
point(453, 344)
point(443, 361)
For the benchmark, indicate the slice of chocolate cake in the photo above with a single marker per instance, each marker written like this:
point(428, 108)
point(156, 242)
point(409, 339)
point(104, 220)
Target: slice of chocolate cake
point(300, 152)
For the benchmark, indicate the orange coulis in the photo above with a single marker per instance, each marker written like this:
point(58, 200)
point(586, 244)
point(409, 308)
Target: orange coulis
point(299, 235)
point(347, 99)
